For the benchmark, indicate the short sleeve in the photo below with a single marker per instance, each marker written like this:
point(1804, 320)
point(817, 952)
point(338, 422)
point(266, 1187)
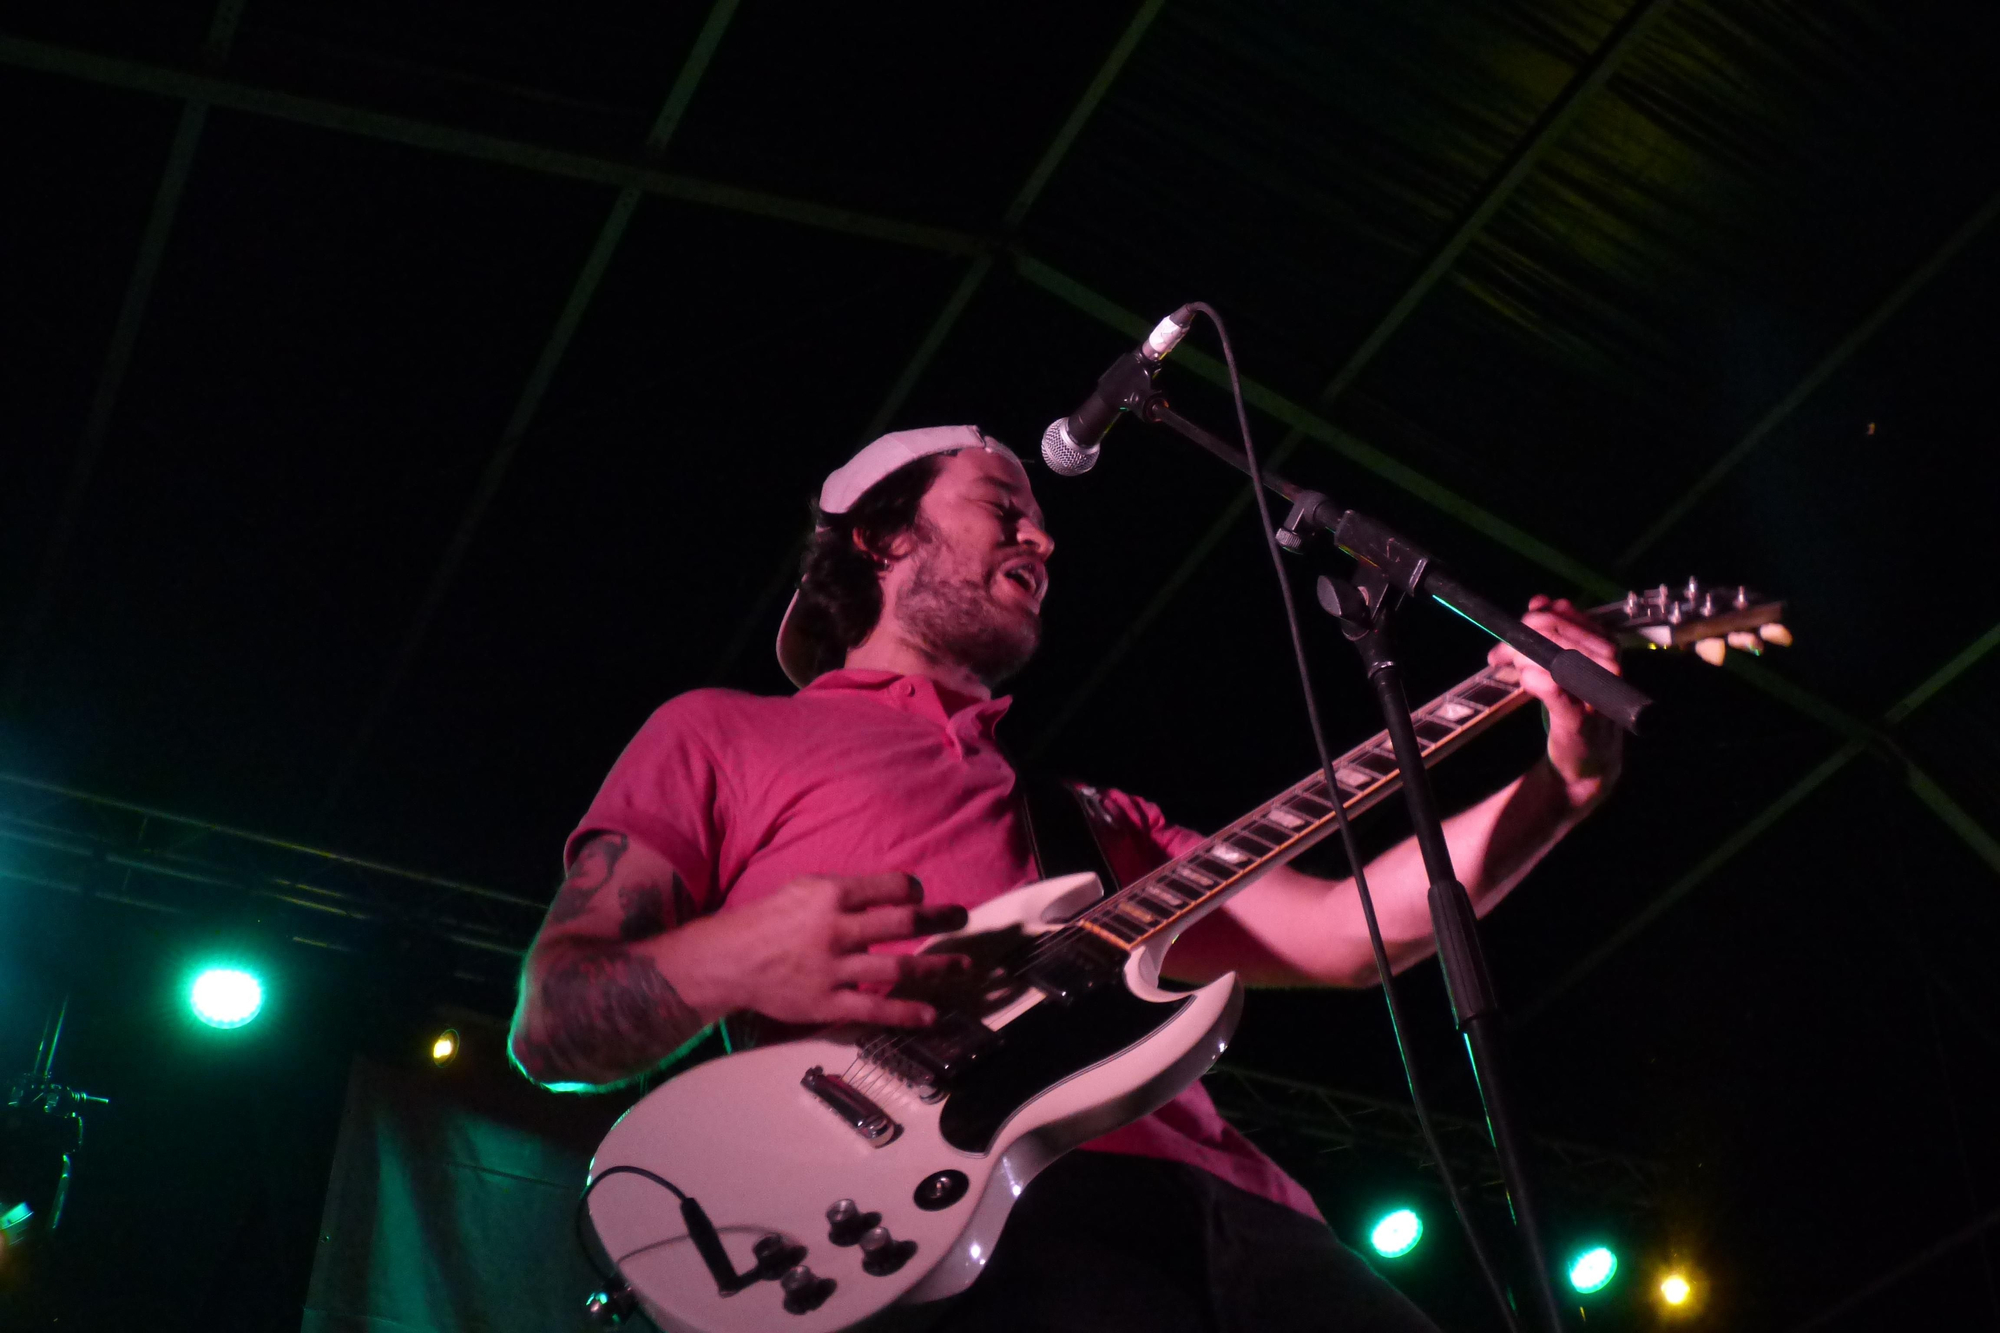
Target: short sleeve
point(666, 792)
point(1136, 837)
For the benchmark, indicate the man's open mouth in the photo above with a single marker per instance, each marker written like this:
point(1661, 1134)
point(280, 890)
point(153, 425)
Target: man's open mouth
point(1026, 577)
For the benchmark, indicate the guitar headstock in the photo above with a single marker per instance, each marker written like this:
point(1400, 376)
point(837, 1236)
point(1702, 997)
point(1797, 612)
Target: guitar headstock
point(1713, 619)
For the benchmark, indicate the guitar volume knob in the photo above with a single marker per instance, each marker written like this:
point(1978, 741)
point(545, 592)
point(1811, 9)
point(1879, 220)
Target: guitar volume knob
point(805, 1291)
point(881, 1253)
point(845, 1222)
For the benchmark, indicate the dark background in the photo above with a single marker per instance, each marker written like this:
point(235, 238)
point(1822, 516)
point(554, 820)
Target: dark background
point(292, 541)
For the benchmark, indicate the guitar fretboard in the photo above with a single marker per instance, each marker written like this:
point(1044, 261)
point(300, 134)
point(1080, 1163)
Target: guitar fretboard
point(1197, 881)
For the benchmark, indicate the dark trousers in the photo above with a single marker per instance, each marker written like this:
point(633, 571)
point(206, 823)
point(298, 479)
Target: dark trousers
point(1102, 1242)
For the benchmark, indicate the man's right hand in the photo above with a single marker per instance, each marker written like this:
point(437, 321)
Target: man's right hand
point(801, 954)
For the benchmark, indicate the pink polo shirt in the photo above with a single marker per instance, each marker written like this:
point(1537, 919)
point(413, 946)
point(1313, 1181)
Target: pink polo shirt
point(863, 772)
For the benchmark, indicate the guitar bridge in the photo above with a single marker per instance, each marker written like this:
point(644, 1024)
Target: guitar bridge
point(859, 1110)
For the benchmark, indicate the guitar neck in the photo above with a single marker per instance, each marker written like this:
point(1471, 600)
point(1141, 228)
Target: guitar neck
point(1197, 882)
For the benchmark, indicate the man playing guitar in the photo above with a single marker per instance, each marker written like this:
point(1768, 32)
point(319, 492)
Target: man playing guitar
point(778, 857)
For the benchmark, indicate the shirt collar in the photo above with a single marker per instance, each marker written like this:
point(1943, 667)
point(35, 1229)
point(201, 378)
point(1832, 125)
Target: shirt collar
point(919, 696)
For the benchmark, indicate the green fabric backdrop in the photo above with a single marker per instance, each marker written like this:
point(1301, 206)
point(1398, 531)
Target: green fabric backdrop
point(448, 1208)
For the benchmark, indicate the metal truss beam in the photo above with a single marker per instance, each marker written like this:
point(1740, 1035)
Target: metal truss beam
point(99, 848)
point(1328, 1119)
point(142, 77)
point(1930, 1254)
point(530, 399)
point(1918, 279)
point(1557, 117)
point(955, 305)
point(1017, 213)
point(124, 336)
point(1927, 790)
point(138, 76)
point(1538, 552)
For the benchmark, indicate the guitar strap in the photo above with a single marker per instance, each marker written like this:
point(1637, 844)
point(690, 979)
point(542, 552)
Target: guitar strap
point(1061, 820)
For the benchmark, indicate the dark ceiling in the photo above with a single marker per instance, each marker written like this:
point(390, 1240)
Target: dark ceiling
point(404, 400)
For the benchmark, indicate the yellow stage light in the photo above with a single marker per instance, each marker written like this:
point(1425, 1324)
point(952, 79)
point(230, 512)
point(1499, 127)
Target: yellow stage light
point(445, 1049)
point(1675, 1289)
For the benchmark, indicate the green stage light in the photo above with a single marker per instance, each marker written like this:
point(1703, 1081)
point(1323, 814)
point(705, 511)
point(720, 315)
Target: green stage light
point(1593, 1269)
point(226, 997)
point(1396, 1234)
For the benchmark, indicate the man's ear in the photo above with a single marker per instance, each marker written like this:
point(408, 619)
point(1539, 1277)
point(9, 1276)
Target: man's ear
point(892, 550)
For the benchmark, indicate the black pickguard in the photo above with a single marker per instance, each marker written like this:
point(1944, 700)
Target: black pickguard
point(1040, 1049)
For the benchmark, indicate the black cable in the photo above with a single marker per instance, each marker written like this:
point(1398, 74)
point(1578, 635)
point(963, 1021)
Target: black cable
point(583, 1240)
point(1396, 1025)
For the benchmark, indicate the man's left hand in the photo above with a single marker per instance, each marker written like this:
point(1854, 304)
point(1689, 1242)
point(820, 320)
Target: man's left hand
point(1585, 748)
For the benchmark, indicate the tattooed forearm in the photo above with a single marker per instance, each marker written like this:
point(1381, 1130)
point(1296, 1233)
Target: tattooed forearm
point(589, 874)
point(646, 910)
point(602, 1018)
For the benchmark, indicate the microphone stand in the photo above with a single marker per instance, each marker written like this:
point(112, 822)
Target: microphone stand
point(1393, 568)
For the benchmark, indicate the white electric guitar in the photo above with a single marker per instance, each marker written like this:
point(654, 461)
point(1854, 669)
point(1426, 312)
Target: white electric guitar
point(857, 1169)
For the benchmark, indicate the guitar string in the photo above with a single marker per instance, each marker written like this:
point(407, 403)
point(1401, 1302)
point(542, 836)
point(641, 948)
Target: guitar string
point(888, 1044)
point(1313, 787)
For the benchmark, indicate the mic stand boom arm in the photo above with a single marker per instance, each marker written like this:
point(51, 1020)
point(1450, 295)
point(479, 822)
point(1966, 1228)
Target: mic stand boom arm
point(1393, 568)
point(1410, 570)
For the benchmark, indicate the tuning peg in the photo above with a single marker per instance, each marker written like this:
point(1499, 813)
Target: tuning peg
point(1711, 651)
point(1743, 641)
point(1775, 633)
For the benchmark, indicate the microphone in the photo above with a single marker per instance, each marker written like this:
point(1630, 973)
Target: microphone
point(1070, 445)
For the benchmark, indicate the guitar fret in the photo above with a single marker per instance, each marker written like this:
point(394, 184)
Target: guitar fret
point(1131, 912)
point(1363, 775)
point(1249, 843)
point(1270, 831)
point(1119, 929)
point(1211, 865)
point(1104, 932)
point(1430, 732)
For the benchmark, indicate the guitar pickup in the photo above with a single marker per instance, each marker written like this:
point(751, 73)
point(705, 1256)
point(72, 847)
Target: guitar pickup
point(860, 1112)
point(946, 1047)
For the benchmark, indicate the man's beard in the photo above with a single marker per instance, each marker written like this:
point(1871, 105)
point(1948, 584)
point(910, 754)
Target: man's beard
point(954, 618)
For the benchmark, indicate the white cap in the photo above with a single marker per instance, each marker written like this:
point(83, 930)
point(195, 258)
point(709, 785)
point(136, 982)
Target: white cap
point(798, 654)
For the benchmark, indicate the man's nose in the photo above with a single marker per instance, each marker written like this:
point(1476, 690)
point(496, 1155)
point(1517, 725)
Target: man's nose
point(1036, 539)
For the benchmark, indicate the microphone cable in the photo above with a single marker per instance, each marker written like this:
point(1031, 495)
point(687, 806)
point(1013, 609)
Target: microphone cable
point(1354, 859)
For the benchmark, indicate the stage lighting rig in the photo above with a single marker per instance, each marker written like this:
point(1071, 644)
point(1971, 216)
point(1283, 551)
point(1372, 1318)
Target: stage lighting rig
point(226, 997)
point(1397, 1233)
point(1592, 1270)
point(41, 1133)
